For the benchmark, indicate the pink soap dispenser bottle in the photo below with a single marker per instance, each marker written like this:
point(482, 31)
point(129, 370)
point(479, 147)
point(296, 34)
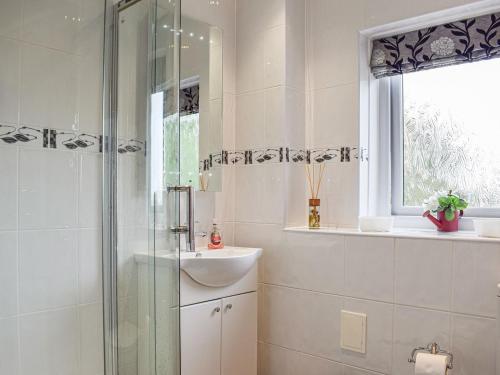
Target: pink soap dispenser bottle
point(215, 238)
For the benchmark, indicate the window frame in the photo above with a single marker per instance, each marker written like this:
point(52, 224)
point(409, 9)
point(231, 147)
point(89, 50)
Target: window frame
point(396, 121)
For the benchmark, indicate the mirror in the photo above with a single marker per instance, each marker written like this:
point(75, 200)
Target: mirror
point(200, 104)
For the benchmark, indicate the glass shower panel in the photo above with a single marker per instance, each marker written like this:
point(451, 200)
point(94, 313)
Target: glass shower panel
point(146, 164)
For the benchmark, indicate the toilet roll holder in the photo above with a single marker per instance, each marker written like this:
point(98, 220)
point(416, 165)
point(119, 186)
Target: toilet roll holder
point(432, 348)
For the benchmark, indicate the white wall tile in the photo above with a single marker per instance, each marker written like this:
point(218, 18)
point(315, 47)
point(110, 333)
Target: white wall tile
point(8, 188)
point(274, 56)
point(9, 357)
point(275, 360)
point(263, 184)
point(423, 273)
point(306, 261)
point(339, 201)
point(89, 265)
point(304, 321)
point(222, 15)
point(296, 46)
point(378, 355)
point(90, 37)
point(473, 345)
point(89, 99)
point(260, 120)
point(228, 233)
point(51, 23)
point(8, 274)
point(381, 12)
point(224, 200)
point(253, 16)
point(272, 194)
point(475, 278)
point(414, 328)
point(296, 203)
point(336, 116)
point(48, 269)
point(260, 60)
point(9, 76)
point(249, 69)
point(270, 237)
point(250, 120)
point(43, 203)
point(333, 57)
point(369, 268)
point(90, 194)
point(335, 14)
point(11, 18)
point(50, 343)
point(228, 121)
point(91, 340)
point(295, 118)
point(48, 88)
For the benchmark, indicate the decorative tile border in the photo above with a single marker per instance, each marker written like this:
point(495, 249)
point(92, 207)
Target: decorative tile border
point(67, 140)
point(76, 141)
point(23, 135)
point(343, 154)
point(73, 141)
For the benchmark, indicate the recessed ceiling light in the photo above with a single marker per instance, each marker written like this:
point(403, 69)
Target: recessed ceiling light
point(191, 34)
point(202, 37)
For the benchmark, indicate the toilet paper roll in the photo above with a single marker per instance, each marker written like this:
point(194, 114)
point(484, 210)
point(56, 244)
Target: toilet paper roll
point(430, 364)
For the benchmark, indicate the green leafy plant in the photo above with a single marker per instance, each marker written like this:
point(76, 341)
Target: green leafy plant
point(448, 203)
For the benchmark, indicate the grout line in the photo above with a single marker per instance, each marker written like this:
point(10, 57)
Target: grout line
point(18, 201)
point(378, 301)
point(317, 356)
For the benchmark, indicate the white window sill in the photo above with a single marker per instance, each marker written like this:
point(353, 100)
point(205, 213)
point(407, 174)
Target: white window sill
point(398, 233)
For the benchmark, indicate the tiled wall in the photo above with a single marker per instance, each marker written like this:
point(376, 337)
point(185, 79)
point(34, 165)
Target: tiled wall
point(270, 108)
point(413, 291)
point(50, 243)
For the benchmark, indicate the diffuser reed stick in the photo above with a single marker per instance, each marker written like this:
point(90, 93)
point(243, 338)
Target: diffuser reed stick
point(314, 186)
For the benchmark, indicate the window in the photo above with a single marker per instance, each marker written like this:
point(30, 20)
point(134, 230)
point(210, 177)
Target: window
point(445, 127)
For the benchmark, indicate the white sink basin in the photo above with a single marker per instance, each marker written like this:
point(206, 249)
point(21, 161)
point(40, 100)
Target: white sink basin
point(219, 268)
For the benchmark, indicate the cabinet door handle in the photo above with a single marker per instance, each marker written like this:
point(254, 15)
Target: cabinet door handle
point(229, 306)
point(217, 309)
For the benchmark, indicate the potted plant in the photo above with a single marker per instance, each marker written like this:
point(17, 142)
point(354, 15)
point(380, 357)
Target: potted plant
point(449, 208)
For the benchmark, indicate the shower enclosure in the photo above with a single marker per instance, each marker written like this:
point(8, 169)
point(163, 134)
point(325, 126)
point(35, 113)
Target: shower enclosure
point(86, 209)
point(141, 196)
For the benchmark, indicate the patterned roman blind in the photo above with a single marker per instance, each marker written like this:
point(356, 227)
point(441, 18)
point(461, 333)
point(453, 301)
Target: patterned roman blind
point(453, 43)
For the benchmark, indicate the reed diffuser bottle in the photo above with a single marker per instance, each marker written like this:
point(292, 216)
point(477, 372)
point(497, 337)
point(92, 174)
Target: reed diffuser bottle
point(314, 181)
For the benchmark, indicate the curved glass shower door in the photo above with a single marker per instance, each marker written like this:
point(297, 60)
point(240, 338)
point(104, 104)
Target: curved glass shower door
point(142, 284)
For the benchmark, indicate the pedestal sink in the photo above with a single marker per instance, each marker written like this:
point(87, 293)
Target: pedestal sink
point(219, 268)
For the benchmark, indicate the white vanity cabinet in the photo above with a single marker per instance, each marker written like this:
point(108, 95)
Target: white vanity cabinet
point(218, 309)
point(220, 337)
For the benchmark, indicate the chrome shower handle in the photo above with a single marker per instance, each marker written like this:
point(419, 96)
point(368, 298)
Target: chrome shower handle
point(189, 228)
point(190, 219)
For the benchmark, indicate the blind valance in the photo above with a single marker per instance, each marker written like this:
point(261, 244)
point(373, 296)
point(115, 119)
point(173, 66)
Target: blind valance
point(448, 44)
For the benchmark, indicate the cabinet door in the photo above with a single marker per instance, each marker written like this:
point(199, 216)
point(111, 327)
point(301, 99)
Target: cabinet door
point(201, 338)
point(239, 335)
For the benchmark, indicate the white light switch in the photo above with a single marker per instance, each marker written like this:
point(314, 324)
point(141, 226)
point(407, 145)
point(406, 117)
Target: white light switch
point(353, 331)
